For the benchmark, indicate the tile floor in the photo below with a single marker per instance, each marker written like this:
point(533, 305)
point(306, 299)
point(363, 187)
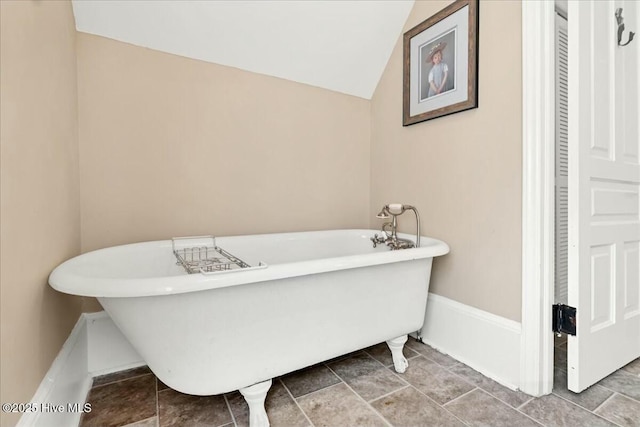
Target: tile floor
point(362, 389)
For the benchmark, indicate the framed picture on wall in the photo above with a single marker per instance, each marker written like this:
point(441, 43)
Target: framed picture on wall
point(441, 64)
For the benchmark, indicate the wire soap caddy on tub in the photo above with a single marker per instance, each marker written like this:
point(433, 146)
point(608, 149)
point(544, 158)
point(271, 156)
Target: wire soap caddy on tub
point(200, 254)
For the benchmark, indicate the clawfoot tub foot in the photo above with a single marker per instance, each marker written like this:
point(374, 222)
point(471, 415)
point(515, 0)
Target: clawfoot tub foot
point(399, 361)
point(255, 396)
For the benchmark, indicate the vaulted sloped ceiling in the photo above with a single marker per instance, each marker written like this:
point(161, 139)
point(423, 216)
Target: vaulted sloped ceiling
point(339, 45)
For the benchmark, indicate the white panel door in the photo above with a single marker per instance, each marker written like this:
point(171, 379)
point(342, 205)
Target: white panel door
point(604, 181)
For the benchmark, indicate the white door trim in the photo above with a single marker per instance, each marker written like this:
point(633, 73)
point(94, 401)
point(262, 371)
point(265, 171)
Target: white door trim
point(538, 127)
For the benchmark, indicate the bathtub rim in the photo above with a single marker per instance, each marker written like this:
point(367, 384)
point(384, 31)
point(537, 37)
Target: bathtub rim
point(64, 279)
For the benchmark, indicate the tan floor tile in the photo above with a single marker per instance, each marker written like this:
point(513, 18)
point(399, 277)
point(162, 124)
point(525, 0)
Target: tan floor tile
point(430, 353)
point(621, 410)
point(121, 375)
point(121, 403)
point(480, 409)
point(335, 394)
point(553, 411)
point(633, 367)
point(409, 407)
point(511, 397)
point(367, 377)
point(338, 406)
point(179, 409)
point(435, 380)
point(624, 383)
point(590, 398)
point(309, 380)
point(149, 422)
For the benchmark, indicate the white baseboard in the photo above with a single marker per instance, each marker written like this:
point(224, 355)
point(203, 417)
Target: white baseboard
point(94, 347)
point(488, 343)
point(109, 351)
point(66, 382)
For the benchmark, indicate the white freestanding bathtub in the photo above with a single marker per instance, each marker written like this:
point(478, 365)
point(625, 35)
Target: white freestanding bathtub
point(316, 295)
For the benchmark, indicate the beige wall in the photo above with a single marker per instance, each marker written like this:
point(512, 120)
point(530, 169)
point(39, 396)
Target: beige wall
point(39, 189)
point(171, 146)
point(463, 171)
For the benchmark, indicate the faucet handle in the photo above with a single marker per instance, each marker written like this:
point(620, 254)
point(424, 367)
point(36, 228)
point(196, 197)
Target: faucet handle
point(375, 239)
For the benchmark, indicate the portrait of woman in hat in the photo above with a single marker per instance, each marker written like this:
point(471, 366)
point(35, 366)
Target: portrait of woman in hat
point(436, 67)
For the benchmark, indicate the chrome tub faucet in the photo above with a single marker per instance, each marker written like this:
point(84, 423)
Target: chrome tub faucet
point(389, 235)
